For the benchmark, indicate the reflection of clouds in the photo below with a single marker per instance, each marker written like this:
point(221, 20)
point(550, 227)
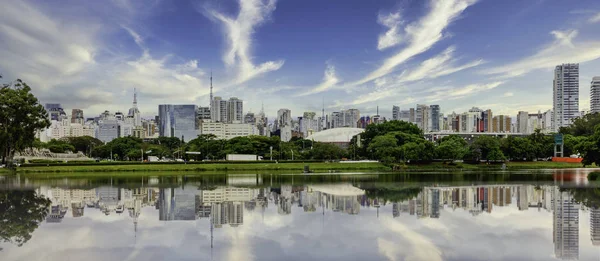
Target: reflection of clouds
point(387, 249)
point(422, 248)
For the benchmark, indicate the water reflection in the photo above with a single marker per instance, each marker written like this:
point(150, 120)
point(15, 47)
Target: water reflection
point(368, 217)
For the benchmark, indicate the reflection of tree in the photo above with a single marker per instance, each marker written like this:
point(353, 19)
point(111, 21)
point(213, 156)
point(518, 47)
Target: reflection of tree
point(20, 214)
point(589, 197)
point(391, 193)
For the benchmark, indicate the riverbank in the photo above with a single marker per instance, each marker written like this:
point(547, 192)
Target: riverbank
point(289, 166)
point(296, 167)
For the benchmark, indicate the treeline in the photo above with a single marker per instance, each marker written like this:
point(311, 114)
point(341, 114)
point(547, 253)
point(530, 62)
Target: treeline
point(209, 147)
point(398, 141)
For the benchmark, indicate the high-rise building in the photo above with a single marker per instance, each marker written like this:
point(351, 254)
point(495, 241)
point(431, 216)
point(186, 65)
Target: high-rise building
point(178, 121)
point(487, 120)
point(566, 94)
point(395, 113)
point(250, 118)
point(595, 95)
point(235, 110)
point(77, 116)
point(422, 117)
point(204, 113)
point(350, 118)
point(434, 119)
point(284, 118)
point(134, 112)
point(219, 109)
point(107, 130)
point(522, 122)
point(404, 116)
point(309, 124)
point(55, 111)
point(501, 123)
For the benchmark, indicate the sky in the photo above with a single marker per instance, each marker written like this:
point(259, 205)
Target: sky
point(300, 55)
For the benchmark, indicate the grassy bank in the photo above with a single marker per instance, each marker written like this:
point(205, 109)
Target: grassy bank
point(496, 166)
point(289, 166)
point(296, 167)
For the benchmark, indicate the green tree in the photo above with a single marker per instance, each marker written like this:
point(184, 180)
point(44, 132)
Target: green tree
point(374, 130)
point(583, 126)
point(590, 148)
point(84, 144)
point(451, 148)
point(516, 148)
point(21, 212)
point(483, 145)
point(541, 143)
point(385, 148)
point(21, 116)
point(414, 151)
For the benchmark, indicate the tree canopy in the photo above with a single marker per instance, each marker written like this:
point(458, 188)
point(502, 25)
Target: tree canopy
point(21, 116)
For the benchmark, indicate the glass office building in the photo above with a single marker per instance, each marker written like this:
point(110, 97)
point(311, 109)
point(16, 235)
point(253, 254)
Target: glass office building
point(178, 121)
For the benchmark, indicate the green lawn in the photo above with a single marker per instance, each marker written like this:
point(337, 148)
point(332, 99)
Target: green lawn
point(317, 167)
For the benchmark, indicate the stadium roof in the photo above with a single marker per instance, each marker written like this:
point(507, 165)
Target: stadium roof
point(335, 135)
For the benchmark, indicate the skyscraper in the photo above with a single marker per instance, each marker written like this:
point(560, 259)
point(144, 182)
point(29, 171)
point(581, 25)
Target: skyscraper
point(595, 226)
point(77, 116)
point(178, 121)
point(422, 117)
point(235, 110)
point(522, 122)
point(55, 111)
point(395, 113)
point(595, 95)
point(134, 112)
point(219, 110)
point(434, 112)
point(565, 102)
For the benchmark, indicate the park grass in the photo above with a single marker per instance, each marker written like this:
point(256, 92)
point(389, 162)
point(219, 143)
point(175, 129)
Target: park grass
point(295, 167)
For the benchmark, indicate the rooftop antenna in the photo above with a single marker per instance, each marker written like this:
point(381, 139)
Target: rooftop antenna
point(134, 98)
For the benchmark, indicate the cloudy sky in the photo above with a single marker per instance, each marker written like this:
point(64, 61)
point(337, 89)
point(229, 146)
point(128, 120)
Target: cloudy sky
point(297, 54)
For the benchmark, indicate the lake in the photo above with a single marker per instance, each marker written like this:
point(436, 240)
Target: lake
point(544, 215)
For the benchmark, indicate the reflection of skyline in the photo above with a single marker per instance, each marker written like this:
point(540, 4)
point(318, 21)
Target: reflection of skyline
point(226, 205)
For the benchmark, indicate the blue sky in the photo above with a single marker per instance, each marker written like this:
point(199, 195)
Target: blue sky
point(295, 54)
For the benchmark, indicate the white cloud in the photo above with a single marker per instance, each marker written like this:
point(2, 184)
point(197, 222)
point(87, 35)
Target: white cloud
point(423, 34)
point(329, 81)
point(595, 18)
point(440, 65)
point(239, 30)
point(452, 93)
point(42, 51)
point(393, 35)
point(562, 50)
point(508, 94)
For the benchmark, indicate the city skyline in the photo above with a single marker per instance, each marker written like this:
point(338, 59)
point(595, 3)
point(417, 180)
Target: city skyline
point(369, 55)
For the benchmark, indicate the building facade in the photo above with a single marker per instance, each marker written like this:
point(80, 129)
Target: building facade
point(595, 95)
point(566, 95)
point(178, 121)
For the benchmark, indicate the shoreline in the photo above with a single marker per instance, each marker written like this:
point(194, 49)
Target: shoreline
point(317, 167)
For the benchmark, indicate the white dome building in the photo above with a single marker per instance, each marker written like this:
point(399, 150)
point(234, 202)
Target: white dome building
point(337, 136)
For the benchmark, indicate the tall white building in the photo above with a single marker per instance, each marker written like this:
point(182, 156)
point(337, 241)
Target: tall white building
point(219, 110)
point(235, 110)
point(422, 117)
point(284, 118)
point(134, 112)
point(566, 225)
point(566, 94)
point(595, 95)
point(229, 130)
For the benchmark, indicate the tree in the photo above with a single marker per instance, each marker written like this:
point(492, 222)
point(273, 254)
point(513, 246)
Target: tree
point(451, 149)
point(21, 212)
point(84, 143)
point(21, 116)
point(374, 130)
point(483, 145)
point(589, 148)
point(385, 148)
point(516, 148)
point(583, 126)
point(541, 143)
point(418, 151)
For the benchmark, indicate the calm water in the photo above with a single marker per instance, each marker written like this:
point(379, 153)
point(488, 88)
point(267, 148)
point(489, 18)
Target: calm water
point(516, 216)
